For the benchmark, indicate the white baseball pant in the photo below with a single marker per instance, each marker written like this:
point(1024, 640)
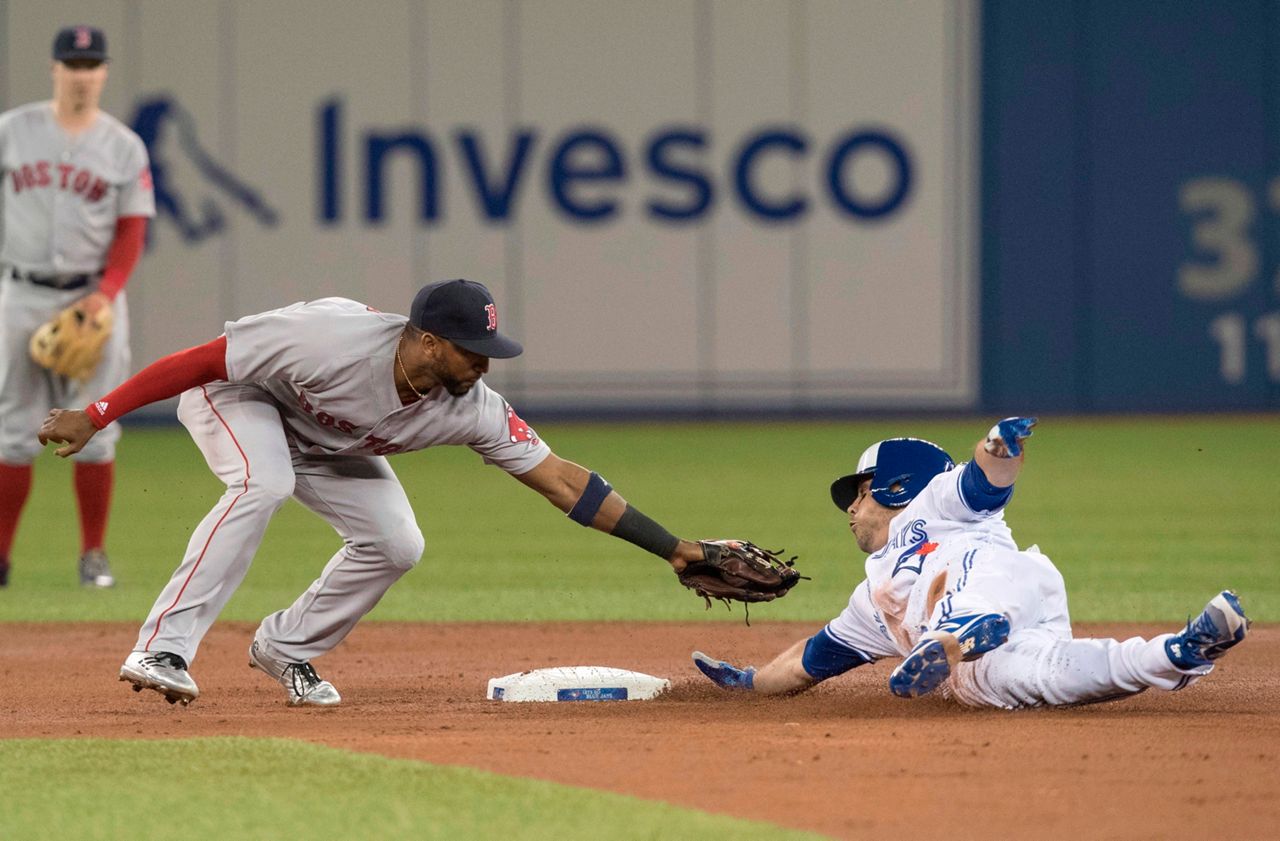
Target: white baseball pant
point(1042, 664)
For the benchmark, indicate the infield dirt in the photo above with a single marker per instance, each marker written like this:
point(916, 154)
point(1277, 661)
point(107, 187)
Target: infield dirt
point(847, 759)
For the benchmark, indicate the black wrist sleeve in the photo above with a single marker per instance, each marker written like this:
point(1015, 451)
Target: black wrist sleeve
point(636, 528)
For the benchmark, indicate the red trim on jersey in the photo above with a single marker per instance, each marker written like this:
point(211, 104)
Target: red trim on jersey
point(216, 525)
point(167, 376)
point(126, 248)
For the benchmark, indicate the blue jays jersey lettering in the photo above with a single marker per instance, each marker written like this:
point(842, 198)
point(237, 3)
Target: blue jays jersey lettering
point(933, 530)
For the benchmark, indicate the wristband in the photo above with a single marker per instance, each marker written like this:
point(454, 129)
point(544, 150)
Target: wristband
point(593, 496)
point(977, 491)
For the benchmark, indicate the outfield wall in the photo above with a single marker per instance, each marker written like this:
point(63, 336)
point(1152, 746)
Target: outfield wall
point(1131, 170)
point(681, 203)
point(698, 205)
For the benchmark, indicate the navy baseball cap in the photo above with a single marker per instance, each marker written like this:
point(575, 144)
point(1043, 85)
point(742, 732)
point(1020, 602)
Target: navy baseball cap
point(463, 312)
point(80, 42)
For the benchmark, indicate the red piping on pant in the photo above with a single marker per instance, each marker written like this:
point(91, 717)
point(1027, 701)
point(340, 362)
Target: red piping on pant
point(208, 540)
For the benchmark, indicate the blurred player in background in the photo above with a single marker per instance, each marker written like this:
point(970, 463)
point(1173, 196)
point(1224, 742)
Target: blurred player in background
point(948, 589)
point(77, 196)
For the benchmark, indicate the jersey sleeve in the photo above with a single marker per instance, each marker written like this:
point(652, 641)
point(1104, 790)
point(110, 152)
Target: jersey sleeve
point(278, 343)
point(943, 499)
point(137, 195)
point(860, 627)
point(503, 438)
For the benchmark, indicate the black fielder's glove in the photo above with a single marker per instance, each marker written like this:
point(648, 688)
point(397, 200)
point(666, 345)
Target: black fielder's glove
point(738, 570)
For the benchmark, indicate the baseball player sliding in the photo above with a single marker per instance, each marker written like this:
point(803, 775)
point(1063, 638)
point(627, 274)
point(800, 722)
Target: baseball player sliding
point(949, 590)
point(77, 195)
point(307, 401)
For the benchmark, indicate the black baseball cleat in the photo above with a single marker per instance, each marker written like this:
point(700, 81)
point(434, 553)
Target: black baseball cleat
point(4, 571)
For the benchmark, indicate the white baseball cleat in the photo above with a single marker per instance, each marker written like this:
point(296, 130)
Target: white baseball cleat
point(300, 681)
point(162, 671)
point(95, 571)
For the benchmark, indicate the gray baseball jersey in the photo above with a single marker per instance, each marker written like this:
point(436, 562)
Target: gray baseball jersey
point(330, 365)
point(309, 410)
point(63, 193)
point(62, 196)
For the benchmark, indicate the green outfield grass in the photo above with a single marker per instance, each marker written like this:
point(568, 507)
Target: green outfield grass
point(1146, 517)
point(237, 788)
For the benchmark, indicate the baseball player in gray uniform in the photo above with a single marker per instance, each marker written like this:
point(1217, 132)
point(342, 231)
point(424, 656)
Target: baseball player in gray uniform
point(77, 196)
point(949, 590)
point(307, 401)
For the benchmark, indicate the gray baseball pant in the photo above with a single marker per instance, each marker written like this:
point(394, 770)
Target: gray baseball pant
point(239, 431)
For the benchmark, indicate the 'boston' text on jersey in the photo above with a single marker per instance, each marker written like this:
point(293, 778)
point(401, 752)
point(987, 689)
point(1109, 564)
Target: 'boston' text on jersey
point(61, 176)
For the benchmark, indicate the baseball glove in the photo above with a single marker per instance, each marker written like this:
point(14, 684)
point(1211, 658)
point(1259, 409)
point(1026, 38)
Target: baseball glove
point(737, 570)
point(70, 343)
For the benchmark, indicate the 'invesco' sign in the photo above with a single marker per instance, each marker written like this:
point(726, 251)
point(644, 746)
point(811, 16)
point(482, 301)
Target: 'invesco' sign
point(591, 157)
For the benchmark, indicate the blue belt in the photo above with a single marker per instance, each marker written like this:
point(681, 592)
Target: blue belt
point(56, 281)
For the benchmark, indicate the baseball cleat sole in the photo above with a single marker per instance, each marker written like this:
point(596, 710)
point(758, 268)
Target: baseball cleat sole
point(926, 668)
point(930, 663)
point(173, 696)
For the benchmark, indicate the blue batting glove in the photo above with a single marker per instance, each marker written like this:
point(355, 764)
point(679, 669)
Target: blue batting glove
point(1005, 438)
point(724, 675)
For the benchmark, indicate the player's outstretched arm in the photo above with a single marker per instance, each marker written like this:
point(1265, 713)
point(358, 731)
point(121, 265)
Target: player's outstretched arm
point(1001, 453)
point(166, 377)
point(805, 663)
point(785, 674)
point(591, 501)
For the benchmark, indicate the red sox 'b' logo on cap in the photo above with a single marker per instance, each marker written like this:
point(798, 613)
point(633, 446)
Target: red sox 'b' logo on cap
point(84, 38)
point(492, 311)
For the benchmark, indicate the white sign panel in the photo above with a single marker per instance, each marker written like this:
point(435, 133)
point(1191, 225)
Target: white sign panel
point(679, 204)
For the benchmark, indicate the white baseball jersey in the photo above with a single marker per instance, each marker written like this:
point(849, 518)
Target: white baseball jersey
point(936, 529)
point(63, 193)
point(330, 364)
point(968, 562)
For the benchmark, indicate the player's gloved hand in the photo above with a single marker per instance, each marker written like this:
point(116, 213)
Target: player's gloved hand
point(1006, 437)
point(723, 674)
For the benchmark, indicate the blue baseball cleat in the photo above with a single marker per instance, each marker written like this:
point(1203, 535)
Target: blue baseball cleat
point(954, 640)
point(723, 674)
point(1219, 626)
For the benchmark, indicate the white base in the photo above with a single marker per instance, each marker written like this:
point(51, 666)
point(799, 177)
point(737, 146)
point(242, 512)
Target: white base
point(577, 683)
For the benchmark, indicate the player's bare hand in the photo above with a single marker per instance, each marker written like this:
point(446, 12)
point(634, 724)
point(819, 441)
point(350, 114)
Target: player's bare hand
point(67, 426)
point(93, 302)
point(687, 552)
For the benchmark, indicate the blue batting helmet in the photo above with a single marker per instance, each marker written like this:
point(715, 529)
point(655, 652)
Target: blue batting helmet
point(899, 469)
